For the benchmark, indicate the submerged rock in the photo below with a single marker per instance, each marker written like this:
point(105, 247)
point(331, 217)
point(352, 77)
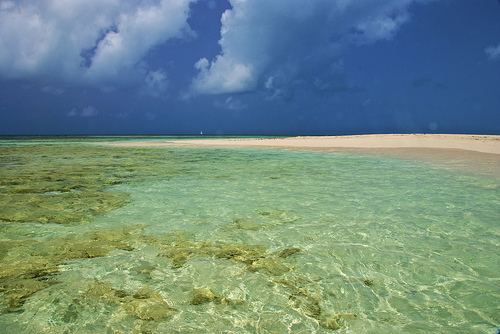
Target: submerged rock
point(330, 322)
point(247, 224)
point(149, 309)
point(204, 295)
point(269, 265)
point(20, 280)
point(66, 208)
point(368, 282)
point(41, 260)
point(305, 297)
point(148, 305)
point(288, 252)
point(145, 304)
point(179, 253)
point(16, 291)
point(68, 184)
point(229, 252)
point(104, 293)
point(254, 256)
point(179, 256)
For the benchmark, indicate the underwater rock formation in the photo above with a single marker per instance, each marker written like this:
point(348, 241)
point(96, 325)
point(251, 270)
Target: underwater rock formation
point(270, 265)
point(145, 304)
point(19, 279)
point(254, 256)
point(303, 298)
point(148, 305)
point(288, 252)
point(69, 185)
point(247, 224)
point(204, 295)
point(180, 252)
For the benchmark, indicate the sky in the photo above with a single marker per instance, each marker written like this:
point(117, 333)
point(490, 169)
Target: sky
point(249, 67)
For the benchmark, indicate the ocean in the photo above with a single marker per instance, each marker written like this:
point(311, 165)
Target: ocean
point(102, 239)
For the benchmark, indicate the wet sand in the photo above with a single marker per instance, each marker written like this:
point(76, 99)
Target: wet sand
point(476, 153)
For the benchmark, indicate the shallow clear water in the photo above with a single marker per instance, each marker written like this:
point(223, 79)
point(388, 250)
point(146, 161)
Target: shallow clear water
point(265, 241)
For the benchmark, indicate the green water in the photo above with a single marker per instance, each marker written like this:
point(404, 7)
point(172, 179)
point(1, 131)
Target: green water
point(98, 239)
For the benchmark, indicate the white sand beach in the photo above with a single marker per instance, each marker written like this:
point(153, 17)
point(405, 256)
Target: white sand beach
point(479, 143)
point(480, 153)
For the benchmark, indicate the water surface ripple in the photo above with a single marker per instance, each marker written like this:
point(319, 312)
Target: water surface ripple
point(185, 240)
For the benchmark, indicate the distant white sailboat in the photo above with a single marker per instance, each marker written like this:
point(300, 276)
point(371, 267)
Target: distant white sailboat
point(201, 132)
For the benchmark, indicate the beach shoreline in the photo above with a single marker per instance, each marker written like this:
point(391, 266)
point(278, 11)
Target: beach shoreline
point(476, 153)
point(479, 143)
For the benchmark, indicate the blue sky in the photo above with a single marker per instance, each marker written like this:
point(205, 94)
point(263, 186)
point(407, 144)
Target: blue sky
point(282, 67)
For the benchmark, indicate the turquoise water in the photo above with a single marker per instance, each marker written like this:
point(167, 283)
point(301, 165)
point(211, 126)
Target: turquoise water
point(268, 241)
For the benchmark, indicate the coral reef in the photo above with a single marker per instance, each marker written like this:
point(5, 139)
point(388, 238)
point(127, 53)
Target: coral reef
point(19, 279)
point(270, 265)
point(67, 184)
point(148, 305)
point(70, 185)
point(145, 304)
point(204, 295)
point(304, 298)
point(288, 252)
point(255, 257)
point(247, 224)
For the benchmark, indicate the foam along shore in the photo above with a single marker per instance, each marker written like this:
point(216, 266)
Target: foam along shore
point(480, 153)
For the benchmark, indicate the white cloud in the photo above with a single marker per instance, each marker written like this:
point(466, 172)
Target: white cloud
point(99, 42)
point(53, 90)
point(231, 103)
point(72, 113)
point(88, 111)
point(155, 83)
point(262, 39)
point(225, 75)
point(493, 52)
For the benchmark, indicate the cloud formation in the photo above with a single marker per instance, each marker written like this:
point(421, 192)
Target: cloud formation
point(266, 42)
point(231, 103)
point(493, 52)
point(88, 111)
point(97, 42)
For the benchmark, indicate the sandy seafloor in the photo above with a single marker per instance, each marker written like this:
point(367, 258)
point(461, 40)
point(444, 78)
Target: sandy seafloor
point(354, 234)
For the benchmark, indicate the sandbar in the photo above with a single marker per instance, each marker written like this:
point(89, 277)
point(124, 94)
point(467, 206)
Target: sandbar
point(476, 153)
